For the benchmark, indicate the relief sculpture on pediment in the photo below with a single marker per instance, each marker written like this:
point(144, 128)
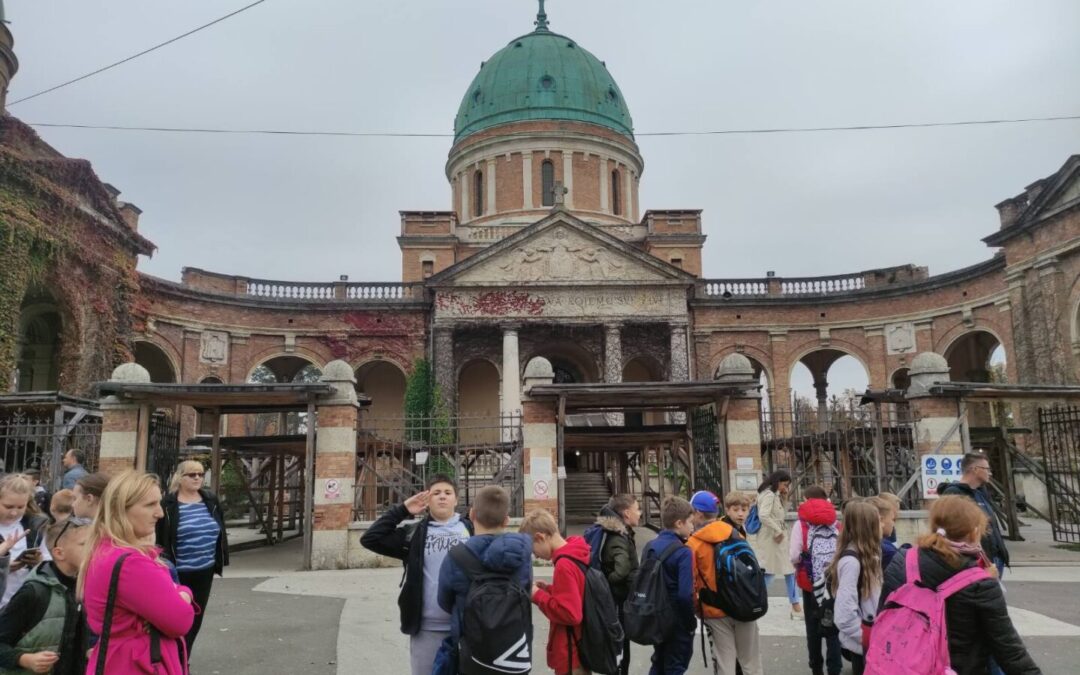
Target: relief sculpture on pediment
point(562, 256)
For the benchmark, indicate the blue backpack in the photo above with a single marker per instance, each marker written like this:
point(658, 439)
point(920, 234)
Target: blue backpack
point(595, 536)
point(753, 523)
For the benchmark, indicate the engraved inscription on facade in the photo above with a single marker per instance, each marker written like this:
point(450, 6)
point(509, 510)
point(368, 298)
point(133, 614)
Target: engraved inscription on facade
point(556, 302)
point(214, 347)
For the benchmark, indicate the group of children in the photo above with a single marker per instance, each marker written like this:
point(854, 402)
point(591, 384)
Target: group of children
point(466, 576)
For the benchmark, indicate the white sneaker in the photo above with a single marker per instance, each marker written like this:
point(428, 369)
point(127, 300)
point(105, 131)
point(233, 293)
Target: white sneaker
point(796, 616)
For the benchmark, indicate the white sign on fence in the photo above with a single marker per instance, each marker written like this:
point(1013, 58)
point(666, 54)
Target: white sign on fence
point(938, 469)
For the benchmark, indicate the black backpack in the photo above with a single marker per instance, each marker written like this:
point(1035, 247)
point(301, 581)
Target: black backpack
point(648, 617)
point(601, 645)
point(496, 628)
point(740, 582)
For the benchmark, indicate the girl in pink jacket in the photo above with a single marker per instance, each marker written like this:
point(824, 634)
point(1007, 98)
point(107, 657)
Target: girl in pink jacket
point(149, 606)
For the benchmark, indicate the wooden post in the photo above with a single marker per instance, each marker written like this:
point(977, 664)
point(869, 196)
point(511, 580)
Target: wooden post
point(308, 483)
point(215, 454)
point(142, 440)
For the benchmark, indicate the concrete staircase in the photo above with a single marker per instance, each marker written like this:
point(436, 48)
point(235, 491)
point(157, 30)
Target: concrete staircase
point(586, 494)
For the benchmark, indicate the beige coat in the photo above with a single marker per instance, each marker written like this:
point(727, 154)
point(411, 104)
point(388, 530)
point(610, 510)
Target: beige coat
point(772, 555)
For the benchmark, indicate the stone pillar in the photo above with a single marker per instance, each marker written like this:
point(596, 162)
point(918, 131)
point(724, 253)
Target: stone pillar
point(936, 431)
point(527, 179)
point(540, 438)
point(627, 198)
point(120, 423)
point(613, 358)
point(680, 359)
point(490, 180)
point(466, 203)
point(742, 427)
point(605, 176)
point(335, 468)
point(510, 401)
point(444, 370)
point(568, 177)
point(9, 65)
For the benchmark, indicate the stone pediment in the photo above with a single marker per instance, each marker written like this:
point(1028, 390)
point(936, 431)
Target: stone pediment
point(560, 250)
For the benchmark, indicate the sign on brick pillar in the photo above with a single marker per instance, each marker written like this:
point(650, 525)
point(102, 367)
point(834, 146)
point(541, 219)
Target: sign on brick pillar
point(335, 468)
point(940, 427)
point(540, 442)
point(120, 423)
point(742, 426)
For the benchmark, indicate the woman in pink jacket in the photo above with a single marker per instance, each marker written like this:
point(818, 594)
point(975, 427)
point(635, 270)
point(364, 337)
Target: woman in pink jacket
point(150, 614)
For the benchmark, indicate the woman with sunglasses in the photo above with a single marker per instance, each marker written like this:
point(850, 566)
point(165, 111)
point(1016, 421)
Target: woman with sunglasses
point(42, 629)
point(192, 536)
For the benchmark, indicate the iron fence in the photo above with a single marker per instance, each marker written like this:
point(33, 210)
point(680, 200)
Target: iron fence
point(395, 456)
point(38, 437)
point(850, 450)
point(1059, 430)
point(163, 450)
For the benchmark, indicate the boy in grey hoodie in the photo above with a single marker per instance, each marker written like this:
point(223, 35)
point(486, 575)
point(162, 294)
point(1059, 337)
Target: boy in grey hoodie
point(421, 545)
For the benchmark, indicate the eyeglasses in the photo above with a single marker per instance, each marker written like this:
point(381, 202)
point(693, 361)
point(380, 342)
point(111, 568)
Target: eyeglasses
point(985, 467)
point(194, 474)
point(72, 522)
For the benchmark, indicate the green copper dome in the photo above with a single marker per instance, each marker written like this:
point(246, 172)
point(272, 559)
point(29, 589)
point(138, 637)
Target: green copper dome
point(542, 76)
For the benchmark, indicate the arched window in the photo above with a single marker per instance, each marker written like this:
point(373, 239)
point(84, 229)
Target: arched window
point(616, 193)
point(547, 178)
point(478, 193)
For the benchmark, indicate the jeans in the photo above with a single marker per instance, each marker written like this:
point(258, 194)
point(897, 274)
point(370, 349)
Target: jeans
point(672, 657)
point(832, 662)
point(792, 589)
point(422, 650)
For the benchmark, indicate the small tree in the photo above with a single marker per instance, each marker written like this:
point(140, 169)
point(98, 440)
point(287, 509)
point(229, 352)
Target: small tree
point(427, 416)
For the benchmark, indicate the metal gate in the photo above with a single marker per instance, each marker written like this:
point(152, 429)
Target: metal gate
point(163, 451)
point(708, 464)
point(1059, 429)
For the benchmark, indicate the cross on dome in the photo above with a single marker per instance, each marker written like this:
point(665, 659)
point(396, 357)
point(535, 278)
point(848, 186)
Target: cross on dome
point(541, 18)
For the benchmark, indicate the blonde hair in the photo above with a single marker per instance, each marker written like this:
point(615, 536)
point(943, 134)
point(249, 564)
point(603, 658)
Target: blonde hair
point(961, 519)
point(892, 499)
point(111, 524)
point(884, 506)
point(18, 484)
point(539, 521)
point(62, 504)
point(862, 534)
point(736, 498)
point(186, 466)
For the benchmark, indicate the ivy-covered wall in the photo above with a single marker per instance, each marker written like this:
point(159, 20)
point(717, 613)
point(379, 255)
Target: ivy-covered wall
point(62, 235)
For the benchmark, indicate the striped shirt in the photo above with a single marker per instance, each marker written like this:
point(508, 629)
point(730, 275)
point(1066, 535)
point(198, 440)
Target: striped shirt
point(196, 537)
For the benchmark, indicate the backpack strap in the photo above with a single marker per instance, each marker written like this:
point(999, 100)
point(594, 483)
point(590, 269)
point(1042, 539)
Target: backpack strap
point(468, 561)
point(106, 624)
point(805, 535)
point(674, 546)
point(959, 582)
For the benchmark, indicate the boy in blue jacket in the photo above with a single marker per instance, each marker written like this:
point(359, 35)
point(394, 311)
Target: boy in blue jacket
point(672, 657)
point(497, 551)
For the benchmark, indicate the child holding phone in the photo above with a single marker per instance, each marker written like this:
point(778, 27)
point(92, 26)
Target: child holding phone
point(21, 527)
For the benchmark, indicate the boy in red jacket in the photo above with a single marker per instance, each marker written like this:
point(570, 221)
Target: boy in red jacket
point(561, 602)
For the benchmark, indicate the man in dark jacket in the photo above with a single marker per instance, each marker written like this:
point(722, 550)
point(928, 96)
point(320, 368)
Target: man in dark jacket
point(433, 535)
point(975, 474)
point(977, 619)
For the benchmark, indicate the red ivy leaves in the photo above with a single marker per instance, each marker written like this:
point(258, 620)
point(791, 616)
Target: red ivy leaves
point(493, 303)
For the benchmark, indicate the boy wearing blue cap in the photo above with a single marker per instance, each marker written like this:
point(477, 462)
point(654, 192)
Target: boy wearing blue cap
point(706, 507)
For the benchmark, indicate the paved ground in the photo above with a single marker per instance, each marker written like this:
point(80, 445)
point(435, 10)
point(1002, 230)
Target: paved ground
point(267, 618)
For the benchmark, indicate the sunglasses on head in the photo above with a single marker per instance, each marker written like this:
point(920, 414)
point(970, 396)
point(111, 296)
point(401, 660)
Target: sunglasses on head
point(74, 522)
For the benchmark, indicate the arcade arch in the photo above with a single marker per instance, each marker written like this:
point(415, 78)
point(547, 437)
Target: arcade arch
point(478, 402)
point(977, 356)
point(38, 346)
point(384, 383)
point(156, 361)
point(279, 369)
point(811, 387)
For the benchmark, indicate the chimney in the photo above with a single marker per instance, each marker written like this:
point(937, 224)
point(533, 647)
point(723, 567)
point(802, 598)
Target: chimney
point(1010, 210)
point(130, 213)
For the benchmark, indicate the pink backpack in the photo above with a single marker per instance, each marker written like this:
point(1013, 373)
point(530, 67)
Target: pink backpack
point(909, 636)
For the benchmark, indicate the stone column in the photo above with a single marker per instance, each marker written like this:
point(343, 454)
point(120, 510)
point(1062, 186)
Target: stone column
point(510, 402)
point(680, 359)
point(613, 365)
point(444, 369)
point(540, 439)
point(527, 179)
point(120, 423)
point(936, 431)
point(335, 468)
point(742, 427)
point(821, 388)
point(466, 203)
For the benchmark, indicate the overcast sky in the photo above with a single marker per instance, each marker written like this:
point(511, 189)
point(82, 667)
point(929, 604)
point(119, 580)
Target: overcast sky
point(799, 204)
